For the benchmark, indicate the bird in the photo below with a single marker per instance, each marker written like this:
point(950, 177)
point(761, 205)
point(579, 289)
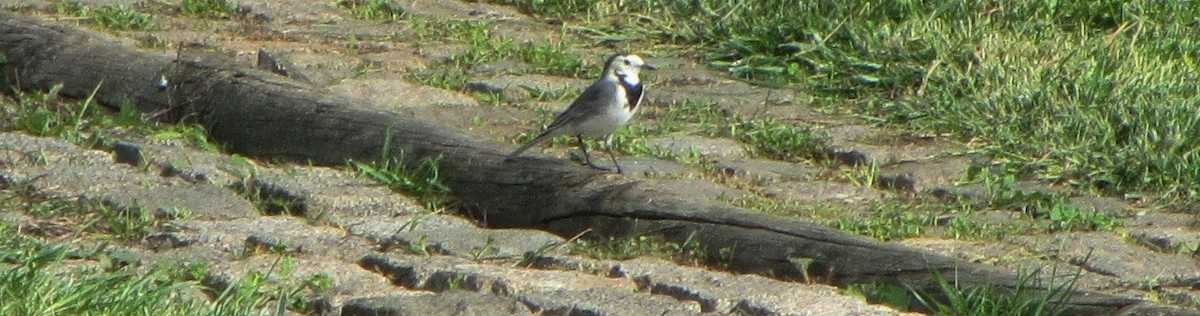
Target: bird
point(602, 109)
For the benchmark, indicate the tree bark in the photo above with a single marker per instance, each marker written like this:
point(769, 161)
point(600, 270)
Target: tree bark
point(260, 114)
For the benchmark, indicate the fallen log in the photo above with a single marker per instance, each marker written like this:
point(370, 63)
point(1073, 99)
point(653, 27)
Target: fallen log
point(261, 114)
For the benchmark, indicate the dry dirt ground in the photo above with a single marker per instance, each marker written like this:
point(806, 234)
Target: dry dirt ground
point(358, 232)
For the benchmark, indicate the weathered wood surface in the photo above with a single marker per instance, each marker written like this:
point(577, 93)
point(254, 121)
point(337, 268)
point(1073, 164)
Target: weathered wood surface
point(263, 115)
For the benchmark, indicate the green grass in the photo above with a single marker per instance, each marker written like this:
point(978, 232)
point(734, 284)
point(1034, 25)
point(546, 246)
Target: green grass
point(421, 180)
point(42, 279)
point(623, 248)
point(901, 218)
point(379, 10)
point(761, 137)
point(770, 138)
point(885, 294)
point(109, 17)
point(214, 9)
point(1033, 294)
point(1002, 193)
point(1098, 94)
point(482, 47)
point(98, 219)
point(86, 123)
point(269, 203)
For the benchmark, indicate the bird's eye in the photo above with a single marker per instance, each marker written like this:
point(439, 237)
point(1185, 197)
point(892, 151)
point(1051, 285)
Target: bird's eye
point(627, 63)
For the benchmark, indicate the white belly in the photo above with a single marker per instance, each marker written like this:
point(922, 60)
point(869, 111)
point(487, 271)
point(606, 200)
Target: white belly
point(601, 125)
point(613, 118)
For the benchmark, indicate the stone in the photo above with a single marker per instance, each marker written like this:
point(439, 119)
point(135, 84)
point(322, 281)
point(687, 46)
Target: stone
point(678, 80)
point(700, 189)
point(524, 87)
point(558, 292)
point(330, 195)
point(816, 192)
point(705, 148)
point(765, 171)
point(21, 150)
point(126, 187)
point(924, 175)
point(448, 235)
point(283, 234)
point(347, 281)
point(1106, 254)
point(650, 167)
point(394, 93)
point(433, 304)
point(863, 145)
point(719, 292)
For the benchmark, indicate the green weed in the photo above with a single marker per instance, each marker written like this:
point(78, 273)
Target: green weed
point(622, 248)
point(1057, 208)
point(101, 219)
point(42, 279)
point(885, 294)
point(86, 123)
point(448, 78)
point(887, 226)
point(421, 181)
point(30, 287)
point(373, 9)
point(1032, 294)
point(43, 114)
point(109, 17)
point(221, 9)
point(125, 223)
point(482, 47)
point(769, 138)
point(1065, 217)
point(961, 227)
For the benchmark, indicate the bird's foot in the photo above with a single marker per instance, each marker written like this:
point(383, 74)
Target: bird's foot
point(616, 169)
point(576, 156)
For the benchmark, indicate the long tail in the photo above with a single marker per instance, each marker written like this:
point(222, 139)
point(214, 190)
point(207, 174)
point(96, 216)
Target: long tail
point(546, 135)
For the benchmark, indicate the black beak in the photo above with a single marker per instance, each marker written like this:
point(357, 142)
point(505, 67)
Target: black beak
point(649, 67)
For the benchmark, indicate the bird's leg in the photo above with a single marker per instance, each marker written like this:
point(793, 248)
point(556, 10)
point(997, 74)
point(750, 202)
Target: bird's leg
point(583, 146)
point(608, 148)
point(587, 158)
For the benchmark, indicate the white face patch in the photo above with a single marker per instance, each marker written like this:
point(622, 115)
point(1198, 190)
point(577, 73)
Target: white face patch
point(630, 79)
point(627, 68)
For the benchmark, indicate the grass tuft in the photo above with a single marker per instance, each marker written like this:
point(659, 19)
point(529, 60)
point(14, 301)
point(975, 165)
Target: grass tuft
point(1002, 193)
point(1031, 295)
point(42, 279)
point(421, 180)
point(379, 10)
point(623, 248)
point(218, 9)
point(86, 123)
point(770, 138)
point(109, 17)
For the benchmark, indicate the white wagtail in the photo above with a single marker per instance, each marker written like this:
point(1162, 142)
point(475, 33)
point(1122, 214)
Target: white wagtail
point(601, 110)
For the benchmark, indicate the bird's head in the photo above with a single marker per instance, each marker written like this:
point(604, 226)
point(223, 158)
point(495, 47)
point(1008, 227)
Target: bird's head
point(626, 67)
